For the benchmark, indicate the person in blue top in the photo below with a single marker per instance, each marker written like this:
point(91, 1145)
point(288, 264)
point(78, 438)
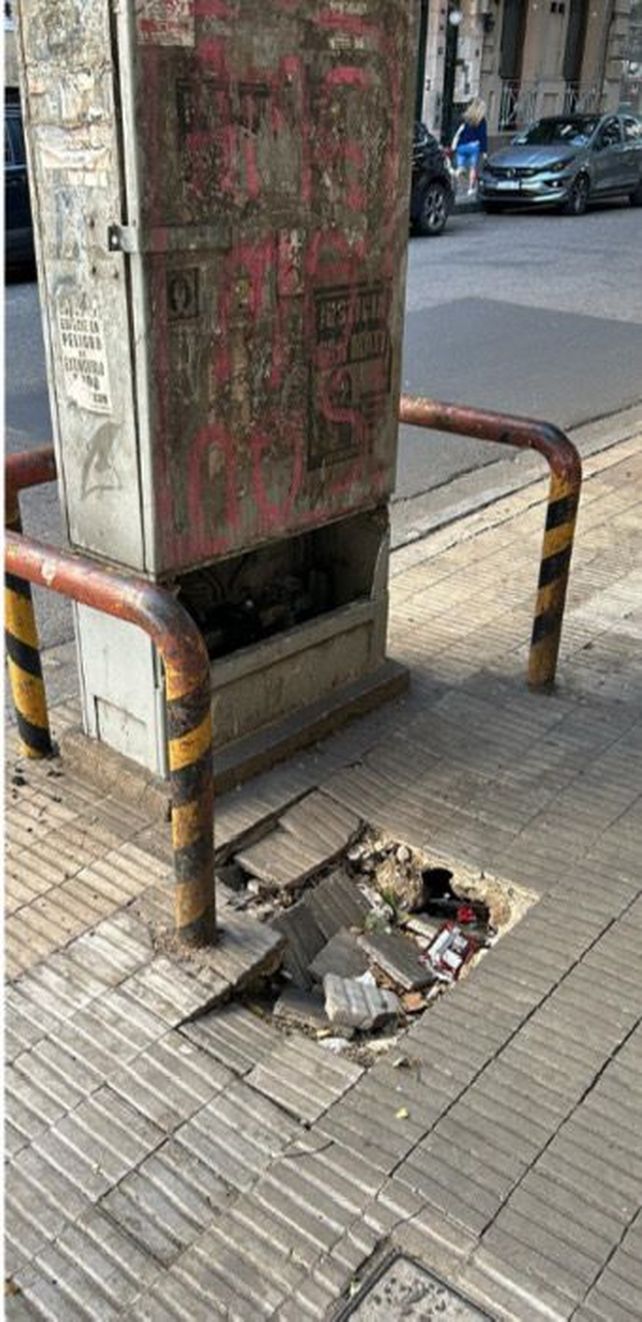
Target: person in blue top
point(470, 142)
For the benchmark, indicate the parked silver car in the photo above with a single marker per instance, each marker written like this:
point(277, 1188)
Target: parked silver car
point(566, 161)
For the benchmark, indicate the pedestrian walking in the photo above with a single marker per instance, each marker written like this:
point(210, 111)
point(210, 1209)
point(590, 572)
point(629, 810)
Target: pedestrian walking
point(470, 142)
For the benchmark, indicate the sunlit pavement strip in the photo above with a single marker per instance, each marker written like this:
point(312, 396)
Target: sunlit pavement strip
point(163, 1166)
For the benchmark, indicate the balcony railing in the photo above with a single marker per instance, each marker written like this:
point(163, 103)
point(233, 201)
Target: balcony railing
point(580, 100)
point(521, 103)
point(517, 104)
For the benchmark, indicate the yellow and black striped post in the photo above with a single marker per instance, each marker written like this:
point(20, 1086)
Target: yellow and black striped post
point(563, 499)
point(188, 696)
point(189, 720)
point(553, 580)
point(23, 660)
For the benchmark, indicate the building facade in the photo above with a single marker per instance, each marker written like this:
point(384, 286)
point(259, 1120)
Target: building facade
point(527, 58)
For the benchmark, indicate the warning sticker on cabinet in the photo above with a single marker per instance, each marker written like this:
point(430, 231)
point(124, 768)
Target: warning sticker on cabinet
point(165, 22)
point(84, 356)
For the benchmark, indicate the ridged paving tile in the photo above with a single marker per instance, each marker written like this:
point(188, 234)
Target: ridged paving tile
point(98, 1143)
point(234, 1035)
point(167, 1201)
point(170, 1080)
point(303, 1078)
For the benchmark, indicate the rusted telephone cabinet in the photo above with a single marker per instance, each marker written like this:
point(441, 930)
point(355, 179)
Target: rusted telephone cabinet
point(221, 193)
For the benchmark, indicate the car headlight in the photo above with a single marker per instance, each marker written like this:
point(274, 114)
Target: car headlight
point(561, 165)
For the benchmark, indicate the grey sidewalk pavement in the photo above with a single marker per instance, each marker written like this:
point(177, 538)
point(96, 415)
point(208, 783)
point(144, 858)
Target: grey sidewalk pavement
point(166, 1160)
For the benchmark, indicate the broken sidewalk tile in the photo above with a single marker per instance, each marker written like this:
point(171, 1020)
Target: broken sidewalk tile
point(342, 955)
point(337, 902)
point(246, 951)
point(350, 1003)
point(398, 957)
point(295, 1006)
point(311, 834)
point(304, 939)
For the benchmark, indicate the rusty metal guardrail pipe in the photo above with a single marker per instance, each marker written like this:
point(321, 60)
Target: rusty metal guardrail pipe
point(563, 500)
point(188, 697)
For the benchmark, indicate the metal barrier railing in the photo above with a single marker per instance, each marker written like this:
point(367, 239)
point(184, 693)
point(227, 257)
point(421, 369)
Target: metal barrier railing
point(187, 684)
point(563, 499)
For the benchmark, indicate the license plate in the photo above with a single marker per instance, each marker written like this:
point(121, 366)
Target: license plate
point(507, 183)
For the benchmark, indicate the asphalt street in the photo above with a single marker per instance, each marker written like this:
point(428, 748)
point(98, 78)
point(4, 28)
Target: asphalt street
point(533, 314)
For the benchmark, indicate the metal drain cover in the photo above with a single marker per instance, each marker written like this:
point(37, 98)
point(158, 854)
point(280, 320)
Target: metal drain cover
point(404, 1290)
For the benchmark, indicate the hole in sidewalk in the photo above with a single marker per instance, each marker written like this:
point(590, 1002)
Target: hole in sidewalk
point(371, 938)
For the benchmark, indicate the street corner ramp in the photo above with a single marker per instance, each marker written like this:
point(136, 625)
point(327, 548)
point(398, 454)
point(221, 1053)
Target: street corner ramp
point(403, 1291)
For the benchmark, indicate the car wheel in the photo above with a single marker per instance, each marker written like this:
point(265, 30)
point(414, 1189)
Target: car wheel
point(433, 212)
point(636, 197)
point(575, 204)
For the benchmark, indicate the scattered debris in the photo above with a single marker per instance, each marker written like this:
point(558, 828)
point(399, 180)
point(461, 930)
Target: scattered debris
point(379, 1045)
point(450, 950)
point(18, 778)
point(335, 1044)
point(395, 869)
point(355, 1003)
point(420, 925)
point(413, 1002)
point(402, 1113)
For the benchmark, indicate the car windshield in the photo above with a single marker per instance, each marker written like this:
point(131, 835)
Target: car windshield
point(573, 132)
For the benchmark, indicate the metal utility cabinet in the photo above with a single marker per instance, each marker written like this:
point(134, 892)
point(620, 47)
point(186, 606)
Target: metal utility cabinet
point(221, 198)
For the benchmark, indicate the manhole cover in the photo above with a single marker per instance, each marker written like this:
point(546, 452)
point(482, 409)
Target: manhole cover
point(404, 1291)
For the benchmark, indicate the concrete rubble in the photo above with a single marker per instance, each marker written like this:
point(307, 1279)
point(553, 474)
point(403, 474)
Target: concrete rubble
point(357, 1003)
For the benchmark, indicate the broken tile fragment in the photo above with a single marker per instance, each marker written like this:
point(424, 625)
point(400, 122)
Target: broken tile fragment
point(303, 1008)
point(303, 940)
point(351, 1003)
point(342, 955)
point(398, 957)
point(309, 835)
point(337, 902)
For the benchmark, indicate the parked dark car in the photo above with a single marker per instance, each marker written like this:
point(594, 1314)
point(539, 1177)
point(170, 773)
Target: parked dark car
point(432, 196)
point(19, 249)
point(566, 161)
